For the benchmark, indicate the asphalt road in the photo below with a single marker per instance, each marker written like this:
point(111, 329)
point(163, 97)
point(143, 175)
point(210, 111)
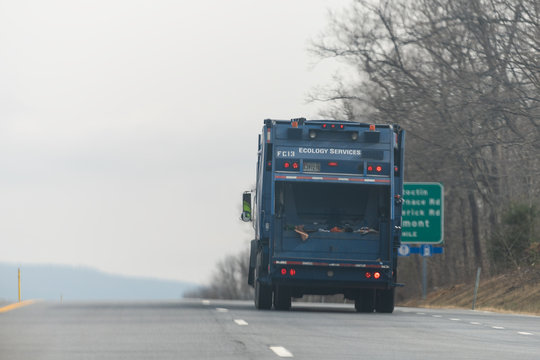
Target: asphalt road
point(197, 329)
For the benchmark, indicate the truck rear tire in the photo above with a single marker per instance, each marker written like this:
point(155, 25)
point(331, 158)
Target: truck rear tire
point(365, 302)
point(263, 296)
point(282, 298)
point(385, 301)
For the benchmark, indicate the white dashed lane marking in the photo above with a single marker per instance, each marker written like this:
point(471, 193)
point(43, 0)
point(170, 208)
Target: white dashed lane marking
point(281, 351)
point(525, 333)
point(206, 302)
point(240, 322)
point(222, 310)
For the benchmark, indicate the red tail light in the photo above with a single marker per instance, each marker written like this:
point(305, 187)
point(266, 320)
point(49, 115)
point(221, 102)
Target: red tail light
point(368, 275)
point(377, 275)
point(378, 168)
point(286, 165)
point(370, 168)
point(283, 271)
point(292, 272)
point(295, 165)
point(332, 163)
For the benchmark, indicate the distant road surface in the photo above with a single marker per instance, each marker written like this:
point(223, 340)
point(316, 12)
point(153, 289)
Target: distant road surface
point(199, 329)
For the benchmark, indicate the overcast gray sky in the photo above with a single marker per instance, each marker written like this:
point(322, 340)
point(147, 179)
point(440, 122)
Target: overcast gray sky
point(128, 129)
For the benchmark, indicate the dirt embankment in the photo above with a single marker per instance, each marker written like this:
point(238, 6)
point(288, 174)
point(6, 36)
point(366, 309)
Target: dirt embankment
point(517, 291)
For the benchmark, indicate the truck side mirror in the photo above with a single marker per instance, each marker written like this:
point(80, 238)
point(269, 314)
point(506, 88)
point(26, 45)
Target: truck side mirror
point(246, 206)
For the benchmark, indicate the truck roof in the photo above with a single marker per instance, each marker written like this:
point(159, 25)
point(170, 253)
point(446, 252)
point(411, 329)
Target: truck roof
point(322, 121)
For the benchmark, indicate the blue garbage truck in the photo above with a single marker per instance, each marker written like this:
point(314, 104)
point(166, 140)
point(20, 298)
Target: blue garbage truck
point(326, 212)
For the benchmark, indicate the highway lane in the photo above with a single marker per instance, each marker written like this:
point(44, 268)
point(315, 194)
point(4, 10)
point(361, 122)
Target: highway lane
point(197, 329)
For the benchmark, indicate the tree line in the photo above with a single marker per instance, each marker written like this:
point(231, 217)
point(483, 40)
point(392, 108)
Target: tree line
point(463, 78)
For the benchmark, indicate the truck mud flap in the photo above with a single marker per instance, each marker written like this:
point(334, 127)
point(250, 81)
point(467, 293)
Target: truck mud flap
point(252, 262)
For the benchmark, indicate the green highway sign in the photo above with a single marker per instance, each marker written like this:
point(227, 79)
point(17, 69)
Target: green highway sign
point(422, 213)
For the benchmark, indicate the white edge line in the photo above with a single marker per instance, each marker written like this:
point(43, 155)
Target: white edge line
point(281, 351)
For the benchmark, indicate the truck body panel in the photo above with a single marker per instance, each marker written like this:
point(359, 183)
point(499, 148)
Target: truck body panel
point(327, 212)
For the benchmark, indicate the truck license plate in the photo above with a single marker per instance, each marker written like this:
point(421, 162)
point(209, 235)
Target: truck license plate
point(312, 166)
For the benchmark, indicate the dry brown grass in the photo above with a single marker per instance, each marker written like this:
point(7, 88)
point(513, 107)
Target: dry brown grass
point(515, 292)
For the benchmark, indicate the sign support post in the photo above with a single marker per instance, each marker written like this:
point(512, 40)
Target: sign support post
point(424, 278)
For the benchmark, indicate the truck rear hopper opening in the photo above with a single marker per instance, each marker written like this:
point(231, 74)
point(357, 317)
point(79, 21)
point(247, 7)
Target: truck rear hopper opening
point(316, 218)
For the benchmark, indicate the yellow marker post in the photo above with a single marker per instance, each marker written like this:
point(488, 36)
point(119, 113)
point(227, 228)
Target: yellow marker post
point(19, 284)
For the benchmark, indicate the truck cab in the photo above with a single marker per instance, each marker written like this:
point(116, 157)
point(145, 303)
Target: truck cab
point(326, 212)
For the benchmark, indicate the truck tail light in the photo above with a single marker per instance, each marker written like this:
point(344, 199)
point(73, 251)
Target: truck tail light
point(377, 169)
point(292, 272)
point(368, 275)
point(289, 165)
point(332, 163)
point(377, 275)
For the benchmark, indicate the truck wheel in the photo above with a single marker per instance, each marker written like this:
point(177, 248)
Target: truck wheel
point(365, 302)
point(282, 298)
point(385, 301)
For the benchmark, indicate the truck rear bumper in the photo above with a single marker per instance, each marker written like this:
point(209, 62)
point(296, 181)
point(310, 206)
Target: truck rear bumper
point(325, 280)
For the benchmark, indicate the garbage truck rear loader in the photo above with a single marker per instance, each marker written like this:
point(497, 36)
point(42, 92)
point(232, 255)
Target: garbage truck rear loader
point(326, 212)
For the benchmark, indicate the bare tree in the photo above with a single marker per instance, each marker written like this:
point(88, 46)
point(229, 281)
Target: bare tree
point(462, 76)
point(229, 280)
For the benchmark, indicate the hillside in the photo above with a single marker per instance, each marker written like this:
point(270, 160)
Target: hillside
point(516, 291)
point(50, 282)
